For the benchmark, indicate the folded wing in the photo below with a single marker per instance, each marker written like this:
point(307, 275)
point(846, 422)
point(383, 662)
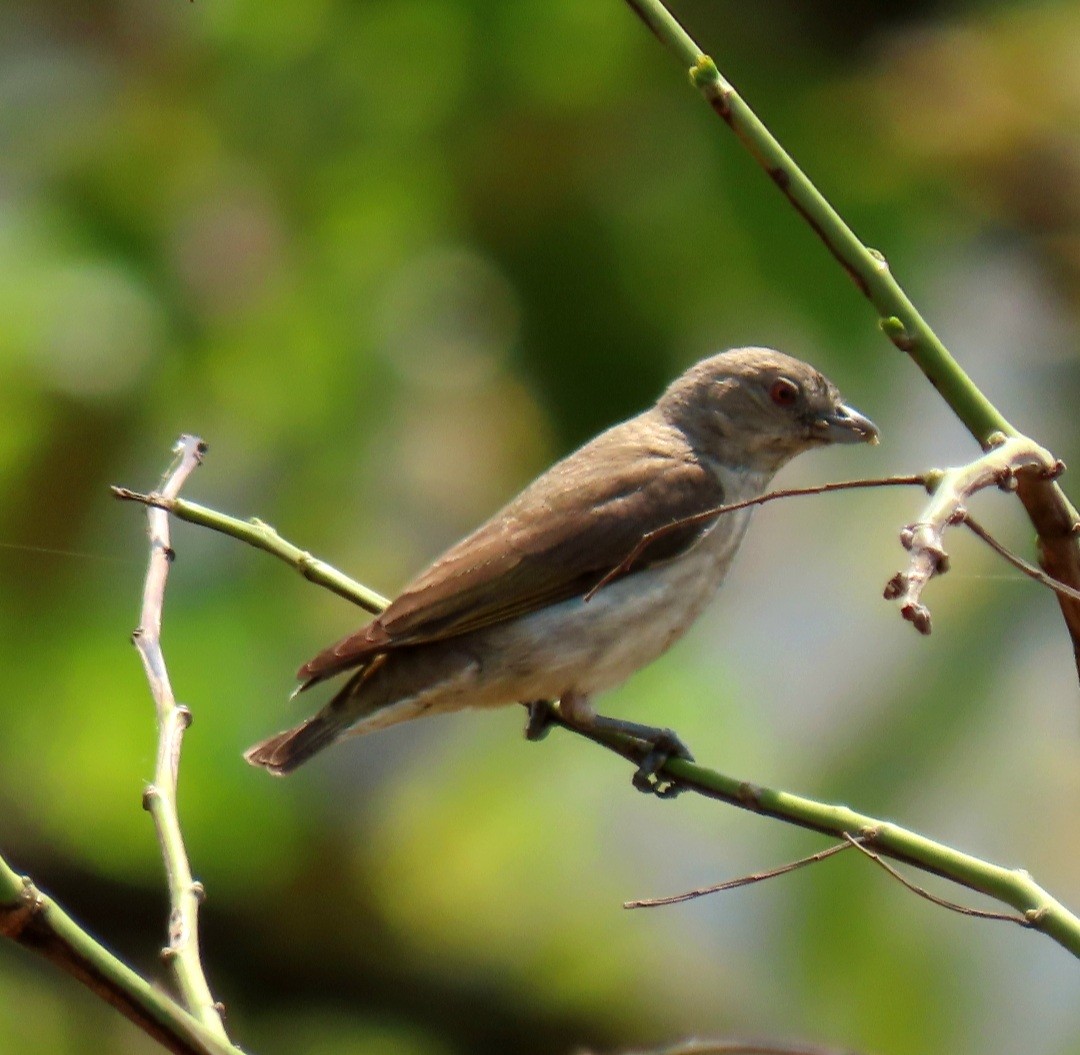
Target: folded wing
point(555, 541)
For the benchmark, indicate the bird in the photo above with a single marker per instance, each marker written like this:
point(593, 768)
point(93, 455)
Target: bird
point(540, 603)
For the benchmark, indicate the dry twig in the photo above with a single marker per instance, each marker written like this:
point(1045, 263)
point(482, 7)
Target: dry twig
point(1009, 459)
point(185, 894)
point(741, 881)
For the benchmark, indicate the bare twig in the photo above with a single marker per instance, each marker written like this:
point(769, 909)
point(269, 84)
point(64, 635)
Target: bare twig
point(860, 843)
point(716, 511)
point(1009, 459)
point(741, 881)
point(1019, 563)
point(739, 1047)
point(185, 894)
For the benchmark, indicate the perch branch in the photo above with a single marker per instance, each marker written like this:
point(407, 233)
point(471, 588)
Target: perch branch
point(1002, 465)
point(1011, 886)
point(1056, 522)
point(185, 894)
point(35, 921)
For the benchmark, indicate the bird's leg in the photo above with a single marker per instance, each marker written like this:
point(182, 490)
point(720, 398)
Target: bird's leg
point(663, 743)
point(538, 724)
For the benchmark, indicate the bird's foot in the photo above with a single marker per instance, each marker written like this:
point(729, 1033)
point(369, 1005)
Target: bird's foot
point(648, 779)
point(539, 722)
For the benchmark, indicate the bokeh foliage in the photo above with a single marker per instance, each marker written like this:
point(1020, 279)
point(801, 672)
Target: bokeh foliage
point(391, 258)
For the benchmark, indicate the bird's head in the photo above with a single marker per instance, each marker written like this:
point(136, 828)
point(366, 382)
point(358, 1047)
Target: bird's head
point(758, 408)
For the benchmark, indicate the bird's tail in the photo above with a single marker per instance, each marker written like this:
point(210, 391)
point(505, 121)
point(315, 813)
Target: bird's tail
point(282, 753)
point(349, 713)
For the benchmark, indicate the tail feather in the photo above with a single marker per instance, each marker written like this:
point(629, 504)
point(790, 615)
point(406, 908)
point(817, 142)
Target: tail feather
point(344, 714)
point(282, 753)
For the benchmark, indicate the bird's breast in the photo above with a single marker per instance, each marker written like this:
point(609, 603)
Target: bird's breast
point(587, 646)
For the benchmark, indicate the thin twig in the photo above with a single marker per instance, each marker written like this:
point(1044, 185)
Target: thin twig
point(262, 536)
point(964, 910)
point(1012, 886)
point(1017, 562)
point(741, 881)
point(185, 894)
point(740, 1047)
point(1008, 460)
point(716, 511)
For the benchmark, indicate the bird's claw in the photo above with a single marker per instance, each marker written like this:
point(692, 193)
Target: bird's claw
point(647, 777)
point(538, 724)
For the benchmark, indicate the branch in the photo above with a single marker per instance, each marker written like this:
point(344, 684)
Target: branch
point(952, 906)
point(262, 536)
point(740, 1047)
point(182, 951)
point(746, 880)
point(36, 922)
point(1011, 886)
point(1056, 522)
point(1003, 465)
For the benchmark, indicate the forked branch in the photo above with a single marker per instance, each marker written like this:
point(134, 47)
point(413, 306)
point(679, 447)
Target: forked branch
point(1008, 459)
point(1012, 886)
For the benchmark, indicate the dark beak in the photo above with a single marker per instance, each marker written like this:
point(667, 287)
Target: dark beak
point(846, 425)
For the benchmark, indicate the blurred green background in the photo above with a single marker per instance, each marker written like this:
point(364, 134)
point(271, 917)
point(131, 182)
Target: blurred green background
point(393, 258)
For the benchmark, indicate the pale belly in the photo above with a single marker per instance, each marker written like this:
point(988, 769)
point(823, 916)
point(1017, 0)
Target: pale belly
point(576, 647)
point(585, 647)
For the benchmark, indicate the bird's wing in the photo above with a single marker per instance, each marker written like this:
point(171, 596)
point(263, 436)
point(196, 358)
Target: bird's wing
point(556, 540)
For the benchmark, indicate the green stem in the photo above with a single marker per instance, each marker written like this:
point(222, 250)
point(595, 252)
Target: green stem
point(262, 536)
point(35, 921)
point(1013, 887)
point(1056, 521)
point(900, 320)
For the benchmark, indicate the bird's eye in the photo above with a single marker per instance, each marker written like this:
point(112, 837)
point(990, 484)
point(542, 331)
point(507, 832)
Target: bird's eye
point(784, 393)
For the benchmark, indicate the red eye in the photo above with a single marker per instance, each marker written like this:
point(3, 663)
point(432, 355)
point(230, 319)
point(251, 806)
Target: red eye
point(784, 393)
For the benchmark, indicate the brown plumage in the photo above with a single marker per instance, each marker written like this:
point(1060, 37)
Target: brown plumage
point(500, 616)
